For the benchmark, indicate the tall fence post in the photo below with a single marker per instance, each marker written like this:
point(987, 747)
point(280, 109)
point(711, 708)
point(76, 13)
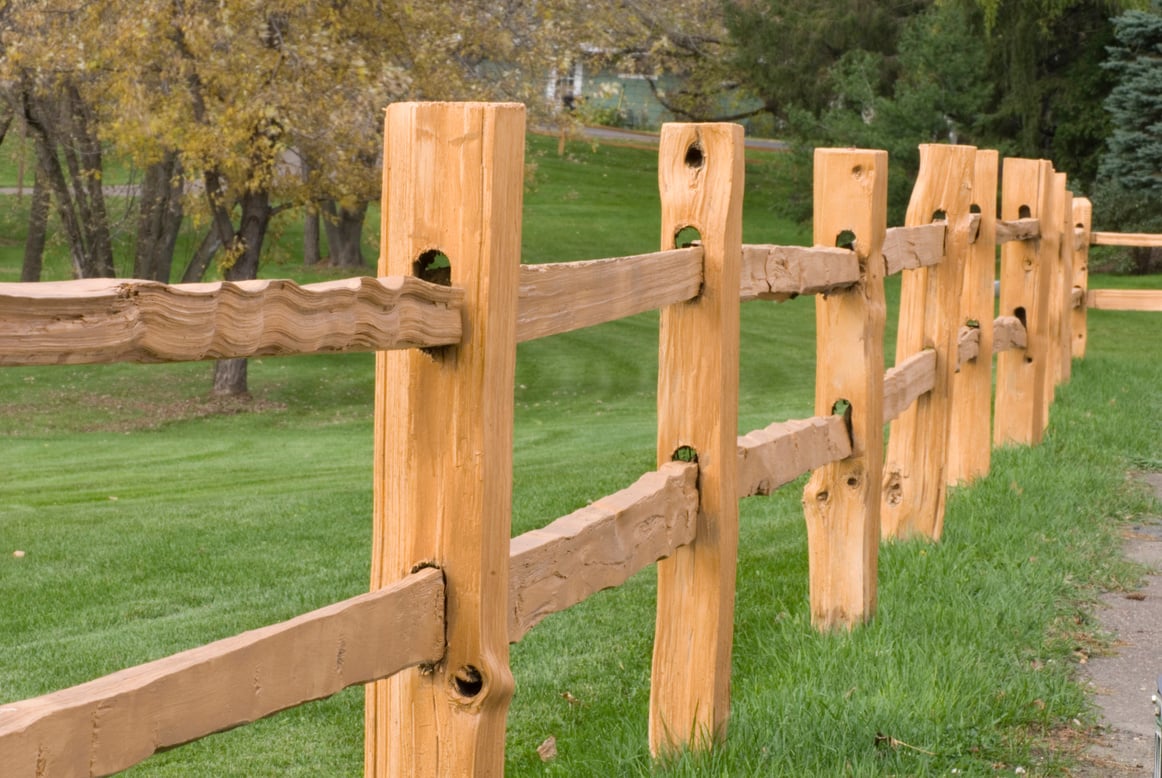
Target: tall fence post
point(1063, 291)
point(1022, 408)
point(841, 503)
point(970, 436)
point(452, 192)
point(1082, 222)
point(915, 481)
point(700, 174)
point(1060, 285)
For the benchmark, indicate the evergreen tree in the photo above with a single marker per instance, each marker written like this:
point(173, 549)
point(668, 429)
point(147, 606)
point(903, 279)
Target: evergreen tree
point(1129, 196)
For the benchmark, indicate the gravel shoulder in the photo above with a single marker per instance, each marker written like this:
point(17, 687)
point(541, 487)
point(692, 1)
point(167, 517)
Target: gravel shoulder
point(1124, 680)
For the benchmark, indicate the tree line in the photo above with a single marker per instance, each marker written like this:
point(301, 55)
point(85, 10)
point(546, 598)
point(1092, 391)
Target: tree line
point(236, 111)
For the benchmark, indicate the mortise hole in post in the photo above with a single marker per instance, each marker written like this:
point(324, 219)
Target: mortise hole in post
point(842, 408)
point(433, 266)
point(694, 156)
point(974, 208)
point(687, 237)
point(685, 454)
point(467, 682)
point(939, 216)
point(1019, 312)
point(1024, 212)
point(845, 240)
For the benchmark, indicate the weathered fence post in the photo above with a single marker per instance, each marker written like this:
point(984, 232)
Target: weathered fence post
point(841, 502)
point(1063, 292)
point(1022, 410)
point(1082, 222)
point(915, 482)
point(452, 192)
point(700, 174)
point(970, 436)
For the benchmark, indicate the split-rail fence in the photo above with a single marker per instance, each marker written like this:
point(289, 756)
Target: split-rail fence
point(450, 590)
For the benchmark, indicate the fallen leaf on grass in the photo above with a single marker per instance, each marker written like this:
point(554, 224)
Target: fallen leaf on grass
point(548, 750)
point(882, 740)
point(1139, 596)
point(18, 554)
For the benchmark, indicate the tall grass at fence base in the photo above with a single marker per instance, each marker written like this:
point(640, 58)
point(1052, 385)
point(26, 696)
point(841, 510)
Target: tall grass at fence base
point(147, 530)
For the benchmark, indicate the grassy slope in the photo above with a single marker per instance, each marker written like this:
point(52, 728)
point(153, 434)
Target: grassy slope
point(141, 542)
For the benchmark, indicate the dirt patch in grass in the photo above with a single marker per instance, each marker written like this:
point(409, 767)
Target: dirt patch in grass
point(57, 412)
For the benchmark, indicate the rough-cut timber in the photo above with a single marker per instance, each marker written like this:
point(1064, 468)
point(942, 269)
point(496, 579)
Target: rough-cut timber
point(910, 247)
point(841, 502)
point(112, 723)
point(601, 545)
point(106, 320)
point(1008, 333)
point(1061, 288)
point(1022, 413)
point(783, 272)
point(452, 182)
point(915, 469)
point(907, 381)
point(700, 176)
point(1082, 223)
point(568, 296)
point(1019, 228)
point(967, 347)
point(1141, 239)
point(1125, 299)
point(970, 435)
point(781, 452)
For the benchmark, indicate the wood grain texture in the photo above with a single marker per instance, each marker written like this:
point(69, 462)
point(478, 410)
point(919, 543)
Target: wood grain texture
point(907, 381)
point(1141, 239)
point(567, 296)
point(781, 452)
point(915, 469)
point(841, 502)
point(1021, 411)
point(783, 272)
point(1082, 224)
point(700, 176)
point(114, 722)
point(1008, 333)
point(1125, 299)
point(967, 347)
point(1061, 287)
point(1018, 228)
point(970, 434)
point(914, 246)
point(453, 182)
point(601, 545)
point(107, 320)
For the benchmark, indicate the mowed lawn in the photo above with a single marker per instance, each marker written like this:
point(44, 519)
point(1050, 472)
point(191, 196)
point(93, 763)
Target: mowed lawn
point(153, 520)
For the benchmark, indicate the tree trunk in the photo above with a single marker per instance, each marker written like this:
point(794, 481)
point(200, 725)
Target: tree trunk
point(345, 234)
point(200, 262)
point(37, 231)
point(230, 377)
point(311, 253)
point(159, 219)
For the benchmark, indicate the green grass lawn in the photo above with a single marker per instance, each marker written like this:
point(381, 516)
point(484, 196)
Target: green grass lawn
point(154, 520)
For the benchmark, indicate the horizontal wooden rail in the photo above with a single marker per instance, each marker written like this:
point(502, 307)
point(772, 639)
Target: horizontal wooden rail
point(968, 345)
point(783, 272)
point(566, 296)
point(601, 545)
point(907, 248)
point(106, 320)
point(1125, 299)
point(1008, 334)
point(1018, 229)
point(114, 722)
point(908, 380)
point(1131, 239)
point(780, 453)
point(1078, 297)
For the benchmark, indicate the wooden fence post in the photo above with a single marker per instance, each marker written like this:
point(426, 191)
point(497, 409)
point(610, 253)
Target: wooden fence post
point(452, 190)
point(1063, 292)
point(700, 174)
point(1083, 222)
point(915, 481)
point(970, 436)
point(1022, 411)
point(841, 503)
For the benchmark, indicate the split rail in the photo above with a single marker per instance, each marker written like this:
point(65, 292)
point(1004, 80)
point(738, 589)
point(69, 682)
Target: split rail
point(450, 590)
